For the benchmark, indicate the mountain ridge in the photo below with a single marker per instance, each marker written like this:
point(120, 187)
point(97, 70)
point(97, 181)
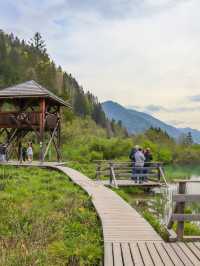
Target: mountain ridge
point(138, 122)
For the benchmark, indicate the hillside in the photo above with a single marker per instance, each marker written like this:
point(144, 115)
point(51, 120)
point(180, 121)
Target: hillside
point(138, 122)
point(21, 61)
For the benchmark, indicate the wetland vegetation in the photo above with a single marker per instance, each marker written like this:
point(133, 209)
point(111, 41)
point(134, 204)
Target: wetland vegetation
point(46, 220)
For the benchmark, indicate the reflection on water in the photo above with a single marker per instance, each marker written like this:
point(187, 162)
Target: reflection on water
point(194, 188)
point(160, 202)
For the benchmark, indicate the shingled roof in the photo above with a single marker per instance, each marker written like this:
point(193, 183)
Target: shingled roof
point(30, 89)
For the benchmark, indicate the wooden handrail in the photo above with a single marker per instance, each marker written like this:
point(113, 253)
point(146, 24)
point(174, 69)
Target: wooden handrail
point(178, 214)
point(114, 170)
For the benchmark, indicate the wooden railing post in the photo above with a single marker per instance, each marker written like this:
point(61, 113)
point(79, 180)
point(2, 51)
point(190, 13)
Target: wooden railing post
point(180, 209)
point(159, 172)
point(113, 181)
point(111, 176)
point(98, 169)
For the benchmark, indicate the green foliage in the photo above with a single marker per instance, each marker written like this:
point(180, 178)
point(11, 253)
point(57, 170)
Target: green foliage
point(46, 220)
point(162, 231)
point(165, 155)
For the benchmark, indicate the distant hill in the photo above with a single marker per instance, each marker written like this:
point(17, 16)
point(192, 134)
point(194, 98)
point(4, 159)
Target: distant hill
point(138, 122)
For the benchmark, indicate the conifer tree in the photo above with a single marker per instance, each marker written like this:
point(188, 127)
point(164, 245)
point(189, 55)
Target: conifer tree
point(38, 43)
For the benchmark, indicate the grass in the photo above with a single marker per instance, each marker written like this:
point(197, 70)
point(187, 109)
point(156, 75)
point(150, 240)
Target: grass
point(46, 220)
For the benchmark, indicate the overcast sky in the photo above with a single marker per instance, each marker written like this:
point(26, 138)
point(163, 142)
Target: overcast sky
point(140, 53)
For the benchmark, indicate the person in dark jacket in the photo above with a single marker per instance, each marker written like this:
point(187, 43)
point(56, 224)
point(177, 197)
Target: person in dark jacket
point(24, 153)
point(148, 158)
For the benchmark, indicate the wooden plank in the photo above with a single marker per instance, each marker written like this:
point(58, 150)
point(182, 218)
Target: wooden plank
point(195, 250)
point(191, 238)
point(126, 253)
point(145, 254)
point(124, 182)
point(188, 253)
point(163, 254)
point(117, 254)
point(154, 254)
point(181, 217)
point(186, 260)
point(137, 259)
point(186, 197)
point(173, 256)
point(134, 175)
point(197, 244)
point(108, 254)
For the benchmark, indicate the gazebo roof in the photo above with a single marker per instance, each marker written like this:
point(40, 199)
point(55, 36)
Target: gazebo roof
point(31, 89)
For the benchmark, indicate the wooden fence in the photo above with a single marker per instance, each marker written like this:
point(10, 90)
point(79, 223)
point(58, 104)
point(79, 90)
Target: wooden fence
point(115, 170)
point(178, 213)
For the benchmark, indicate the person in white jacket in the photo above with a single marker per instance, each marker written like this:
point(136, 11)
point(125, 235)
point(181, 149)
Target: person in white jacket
point(30, 152)
point(139, 164)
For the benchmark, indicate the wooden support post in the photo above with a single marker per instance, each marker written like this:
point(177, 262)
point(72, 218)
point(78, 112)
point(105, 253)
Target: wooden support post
point(159, 173)
point(180, 209)
point(42, 128)
point(59, 135)
point(51, 139)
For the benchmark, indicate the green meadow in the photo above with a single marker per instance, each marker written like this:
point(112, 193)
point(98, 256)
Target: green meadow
point(46, 220)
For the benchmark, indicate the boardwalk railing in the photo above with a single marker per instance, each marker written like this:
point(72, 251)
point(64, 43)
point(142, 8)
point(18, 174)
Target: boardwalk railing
point(115, 170)
point(178, 213)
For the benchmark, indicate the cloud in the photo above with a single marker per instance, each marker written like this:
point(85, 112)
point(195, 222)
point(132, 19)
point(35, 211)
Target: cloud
point(140, 53)
point(195, 98)
point(175, 122)
point(154, 108)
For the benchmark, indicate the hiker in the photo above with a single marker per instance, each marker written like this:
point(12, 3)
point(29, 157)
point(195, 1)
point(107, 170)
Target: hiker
point(132, 153)
point(132, 158)
point(139, 164)
point(30, 152)
point(148, 158)
point(24, 154)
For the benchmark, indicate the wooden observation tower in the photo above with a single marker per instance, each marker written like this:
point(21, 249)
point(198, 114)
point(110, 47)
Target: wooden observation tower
point(29, 107)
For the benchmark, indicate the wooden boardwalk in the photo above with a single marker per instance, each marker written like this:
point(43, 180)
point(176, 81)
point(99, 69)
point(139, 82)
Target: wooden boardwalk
point(128, 183)
point(128, 238)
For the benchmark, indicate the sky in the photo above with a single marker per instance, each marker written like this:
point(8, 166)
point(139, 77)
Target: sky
point(143, 54)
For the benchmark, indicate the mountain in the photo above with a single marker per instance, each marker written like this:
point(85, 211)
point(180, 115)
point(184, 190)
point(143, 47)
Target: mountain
point(138, 122)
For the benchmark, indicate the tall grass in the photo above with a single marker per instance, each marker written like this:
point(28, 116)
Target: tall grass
point(46, 220)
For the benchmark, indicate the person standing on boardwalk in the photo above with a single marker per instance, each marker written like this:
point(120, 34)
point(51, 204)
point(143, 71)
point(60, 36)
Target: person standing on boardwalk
point(148, 158)
point(139, 164)
point(30, 152)
point(132, 158)
point(24, 153)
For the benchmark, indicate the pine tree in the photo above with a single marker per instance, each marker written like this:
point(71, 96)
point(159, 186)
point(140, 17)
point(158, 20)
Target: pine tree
point(38, 43)
point(189, 139)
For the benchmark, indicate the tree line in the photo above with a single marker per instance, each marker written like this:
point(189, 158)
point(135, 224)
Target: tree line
point(21, 61)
